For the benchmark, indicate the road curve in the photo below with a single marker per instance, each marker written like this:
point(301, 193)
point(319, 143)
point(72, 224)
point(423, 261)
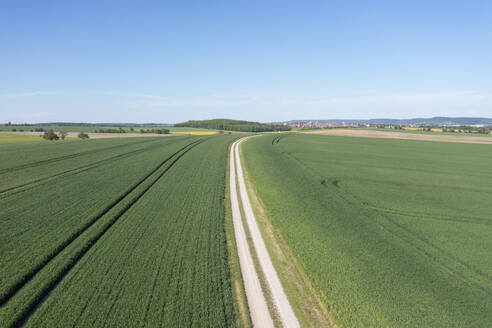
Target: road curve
point(258, 309)
point(280, 300)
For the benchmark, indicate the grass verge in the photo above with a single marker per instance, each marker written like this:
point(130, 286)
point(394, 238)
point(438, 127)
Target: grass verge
point(303, 297)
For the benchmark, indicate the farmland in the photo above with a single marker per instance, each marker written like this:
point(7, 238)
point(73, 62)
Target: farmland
point(408, 134)
point(7, 138)
point(392, 233)
point(115, 231)
point(94, 127)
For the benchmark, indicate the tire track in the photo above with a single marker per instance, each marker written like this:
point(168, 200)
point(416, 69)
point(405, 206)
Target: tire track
point(412, 238)
point(12, 190)
point(44, 294)
point(353, 200)
point(26, 278)
point(70, 156)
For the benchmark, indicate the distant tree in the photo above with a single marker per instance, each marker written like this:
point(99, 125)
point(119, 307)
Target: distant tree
point(14, 129)
point(50, 135)
point(131, 129)
point(157, 131)
point(233, 125)
point(63, 134)
point(83, 135)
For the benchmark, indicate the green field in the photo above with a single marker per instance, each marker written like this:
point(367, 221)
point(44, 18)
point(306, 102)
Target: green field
point(6, 138)
point(393, 233)
point(115, 231)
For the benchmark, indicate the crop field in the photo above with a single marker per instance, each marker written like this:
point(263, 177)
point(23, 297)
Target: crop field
point(92, 128)
point(392, 233)
point(6, 138)
point(476, 138)
point(115, 232)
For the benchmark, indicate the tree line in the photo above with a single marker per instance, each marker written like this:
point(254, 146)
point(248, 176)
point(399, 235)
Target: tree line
point(233, 125)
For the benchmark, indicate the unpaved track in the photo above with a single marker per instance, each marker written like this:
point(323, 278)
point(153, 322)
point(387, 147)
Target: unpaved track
point(282, 305)
point(260, 316)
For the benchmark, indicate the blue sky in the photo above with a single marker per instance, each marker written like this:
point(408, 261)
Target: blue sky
point(170, 61)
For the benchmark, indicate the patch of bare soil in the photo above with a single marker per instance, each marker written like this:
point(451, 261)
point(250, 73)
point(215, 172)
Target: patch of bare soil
point(404, 135)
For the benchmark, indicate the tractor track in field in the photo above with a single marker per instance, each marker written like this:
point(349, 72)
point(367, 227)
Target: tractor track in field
point(173, 158)
point(349, 198)
point(48, 289)
point(70, 156)
point(356, 202)
point(31, 184)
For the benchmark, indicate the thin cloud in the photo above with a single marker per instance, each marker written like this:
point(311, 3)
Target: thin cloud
point(417, 98)
point(20, 95)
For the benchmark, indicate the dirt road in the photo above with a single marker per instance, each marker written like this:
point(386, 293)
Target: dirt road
point(260, 316)
point(405, 135)
point(282, 305)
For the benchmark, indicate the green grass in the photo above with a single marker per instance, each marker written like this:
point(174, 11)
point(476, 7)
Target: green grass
point(393, 233)
point(119, 232)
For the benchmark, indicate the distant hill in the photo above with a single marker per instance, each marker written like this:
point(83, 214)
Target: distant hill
point(233, 125)
point(438, 121)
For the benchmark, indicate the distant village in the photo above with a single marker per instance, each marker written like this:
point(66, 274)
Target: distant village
point(324, 125)
point(475, 128)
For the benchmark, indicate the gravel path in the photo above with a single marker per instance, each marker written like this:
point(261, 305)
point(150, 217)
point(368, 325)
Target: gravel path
point(284, 309)
point(258, 309)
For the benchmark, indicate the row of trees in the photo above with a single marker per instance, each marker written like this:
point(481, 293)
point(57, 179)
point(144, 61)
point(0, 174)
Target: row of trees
point(156, 131)
point(468, 130)
point(121, 130)
point(110, 130)
point(233, 125)
point(53, 136)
